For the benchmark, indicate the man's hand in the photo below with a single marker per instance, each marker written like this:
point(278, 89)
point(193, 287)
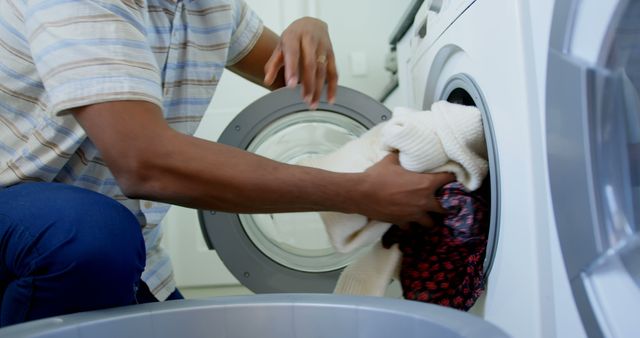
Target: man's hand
point(305, 52)
point(393, 194)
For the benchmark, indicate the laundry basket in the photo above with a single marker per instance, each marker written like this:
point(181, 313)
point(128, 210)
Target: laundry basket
point(265, 316)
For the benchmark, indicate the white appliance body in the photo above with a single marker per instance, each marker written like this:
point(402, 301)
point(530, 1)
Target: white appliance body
point(546, 276)
point(501, 47)
point(498, 51)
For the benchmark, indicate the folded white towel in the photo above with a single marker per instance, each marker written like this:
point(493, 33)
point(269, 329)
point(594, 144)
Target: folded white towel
point(449, 138)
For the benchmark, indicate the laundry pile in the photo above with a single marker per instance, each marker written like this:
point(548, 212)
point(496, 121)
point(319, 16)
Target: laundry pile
point(441, 264)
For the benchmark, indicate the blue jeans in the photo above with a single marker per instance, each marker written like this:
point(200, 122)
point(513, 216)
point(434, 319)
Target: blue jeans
point(65, 249)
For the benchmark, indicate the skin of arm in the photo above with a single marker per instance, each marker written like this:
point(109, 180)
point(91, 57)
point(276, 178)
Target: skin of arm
point(158, 163)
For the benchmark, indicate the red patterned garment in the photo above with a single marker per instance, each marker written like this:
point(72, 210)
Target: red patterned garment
point(443, 264)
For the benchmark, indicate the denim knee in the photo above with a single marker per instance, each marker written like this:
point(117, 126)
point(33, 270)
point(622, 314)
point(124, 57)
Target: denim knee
point(69, 249)
point(105, 244)
point(109, 239)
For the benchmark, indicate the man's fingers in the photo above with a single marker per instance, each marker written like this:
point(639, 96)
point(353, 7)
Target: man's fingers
point(309, 69)
point(435, 206)
point(320, 77)
point(273, 66)
point(309, 59)
point(332, 78)
point(291, 53)
point(392, 158)
point(404, 226)
point(440, 179)
point(425, 220)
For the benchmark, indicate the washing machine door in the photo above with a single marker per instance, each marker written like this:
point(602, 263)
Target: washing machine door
point(287, 252)
point(593, 148)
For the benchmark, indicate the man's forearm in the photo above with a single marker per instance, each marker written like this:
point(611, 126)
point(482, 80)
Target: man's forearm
point(200, 174)
point(152, 161)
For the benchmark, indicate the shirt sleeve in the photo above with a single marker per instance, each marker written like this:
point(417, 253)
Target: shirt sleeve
point(91, 51)
point(247, 28)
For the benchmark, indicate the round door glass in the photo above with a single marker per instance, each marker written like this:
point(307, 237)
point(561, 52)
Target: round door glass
point(615, 139)
point(616, 133)
point(299, 240)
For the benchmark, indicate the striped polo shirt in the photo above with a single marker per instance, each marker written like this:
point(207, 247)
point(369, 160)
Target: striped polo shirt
point(59, 54)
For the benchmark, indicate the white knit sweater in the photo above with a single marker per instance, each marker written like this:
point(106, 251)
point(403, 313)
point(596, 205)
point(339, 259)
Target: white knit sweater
point(448, 138)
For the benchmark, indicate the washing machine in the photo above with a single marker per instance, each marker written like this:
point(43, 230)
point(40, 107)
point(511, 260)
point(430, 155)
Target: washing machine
point(473, 52)
point(288, 252)
point(562, 255)
point(395, 93)
point(557, 84)
point(555, 81)
point(592, 122)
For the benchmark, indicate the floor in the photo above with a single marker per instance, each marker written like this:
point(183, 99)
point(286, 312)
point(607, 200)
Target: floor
point(208, 292)
point(394, 291)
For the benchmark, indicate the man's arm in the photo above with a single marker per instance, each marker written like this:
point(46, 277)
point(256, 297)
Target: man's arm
point(252, 66)
point(151, 161)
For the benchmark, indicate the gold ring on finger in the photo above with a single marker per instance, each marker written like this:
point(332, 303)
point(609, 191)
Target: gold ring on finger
point(321, 59)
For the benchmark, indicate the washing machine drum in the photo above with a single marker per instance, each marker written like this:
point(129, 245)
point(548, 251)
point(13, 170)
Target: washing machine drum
point(287, 252)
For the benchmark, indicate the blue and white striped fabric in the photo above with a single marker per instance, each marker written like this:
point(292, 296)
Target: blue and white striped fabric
point(59, 54)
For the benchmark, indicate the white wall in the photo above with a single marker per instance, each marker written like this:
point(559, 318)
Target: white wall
point(362, 27)
point(358, 28)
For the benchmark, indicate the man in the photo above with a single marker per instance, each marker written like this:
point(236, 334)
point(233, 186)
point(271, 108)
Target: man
point(98, 100)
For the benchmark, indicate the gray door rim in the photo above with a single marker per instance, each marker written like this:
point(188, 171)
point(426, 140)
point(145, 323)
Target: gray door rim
point(224, 232)
point(570, 99)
